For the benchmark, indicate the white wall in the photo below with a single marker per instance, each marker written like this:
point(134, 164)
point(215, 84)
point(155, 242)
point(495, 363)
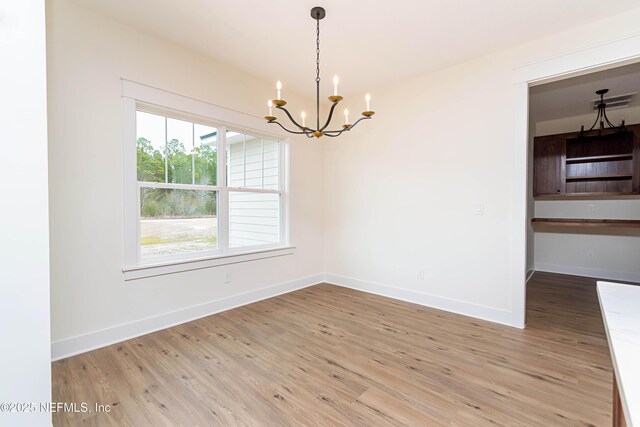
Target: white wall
point(401, 192)
point(607, 256)
point(88, 54)
point(25, 372)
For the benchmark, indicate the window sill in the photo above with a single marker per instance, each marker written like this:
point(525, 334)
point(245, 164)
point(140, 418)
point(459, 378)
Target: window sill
point(176, 266)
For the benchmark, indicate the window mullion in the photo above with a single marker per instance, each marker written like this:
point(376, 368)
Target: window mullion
point(193, 157)
point(166, 153)
point(253, 190)
point(172, 186)
point(283, 187)
point(223, 195)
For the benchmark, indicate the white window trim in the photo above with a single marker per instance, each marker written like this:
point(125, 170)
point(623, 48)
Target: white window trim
point(135, 95)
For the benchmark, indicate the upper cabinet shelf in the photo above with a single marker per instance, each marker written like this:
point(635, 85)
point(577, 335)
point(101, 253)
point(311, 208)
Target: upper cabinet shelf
point(606, 158)
point(596, 167)
point(591, 177)
point(583, 222)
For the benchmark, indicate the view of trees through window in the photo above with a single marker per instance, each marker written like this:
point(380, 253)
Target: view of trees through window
point(176, 162)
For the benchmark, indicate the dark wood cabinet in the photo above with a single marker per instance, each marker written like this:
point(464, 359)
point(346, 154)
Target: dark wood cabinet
point(548, 155)
point(567, 165)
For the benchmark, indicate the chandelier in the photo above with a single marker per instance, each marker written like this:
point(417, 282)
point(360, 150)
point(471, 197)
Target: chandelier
point(317, 13)
point(602, 118)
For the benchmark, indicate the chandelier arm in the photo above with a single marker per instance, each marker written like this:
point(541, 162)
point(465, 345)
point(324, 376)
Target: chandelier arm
point(607, 119)
point(333, 133)
point(356, 122)
point(333, 107)
point(359, 120)
point(290, 131)
point(339, 132)
point(596, 122)
point(279, 107)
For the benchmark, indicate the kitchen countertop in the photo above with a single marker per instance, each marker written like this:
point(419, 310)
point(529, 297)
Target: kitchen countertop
point(620, 306)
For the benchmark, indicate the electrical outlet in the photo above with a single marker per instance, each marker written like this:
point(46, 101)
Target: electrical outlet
point(479, 209)
point(591, 208)
point(227, 277)
point(590, 254)
point(421, 274)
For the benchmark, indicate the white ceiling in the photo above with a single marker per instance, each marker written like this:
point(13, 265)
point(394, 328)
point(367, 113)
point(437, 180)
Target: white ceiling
point(367, 43)
point(574, 96)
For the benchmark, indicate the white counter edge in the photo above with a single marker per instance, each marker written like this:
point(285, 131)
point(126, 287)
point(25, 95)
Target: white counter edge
point(616, 371)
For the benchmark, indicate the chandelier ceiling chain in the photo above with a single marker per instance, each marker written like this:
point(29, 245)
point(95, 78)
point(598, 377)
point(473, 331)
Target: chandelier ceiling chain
point(317, 70)
point(318, 50)
point(317, 13)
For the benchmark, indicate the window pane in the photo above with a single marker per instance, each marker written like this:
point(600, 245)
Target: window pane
point(254, 219)
point(205, 155)
point(150, 130)
point(177, 221)
point(253, 162)
point(271, 165)
point(179, 147)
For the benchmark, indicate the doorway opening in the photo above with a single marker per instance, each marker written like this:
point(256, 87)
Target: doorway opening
point(583, 188)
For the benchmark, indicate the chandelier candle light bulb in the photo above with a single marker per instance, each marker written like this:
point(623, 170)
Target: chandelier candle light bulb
point(368, 99)
point(270, 117)
point(320, 129)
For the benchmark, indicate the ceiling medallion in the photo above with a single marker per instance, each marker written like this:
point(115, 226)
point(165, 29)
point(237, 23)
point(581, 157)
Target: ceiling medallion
point(317, 13)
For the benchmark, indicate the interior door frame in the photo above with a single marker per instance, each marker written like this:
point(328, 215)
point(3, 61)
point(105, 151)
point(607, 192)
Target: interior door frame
point(597, 58)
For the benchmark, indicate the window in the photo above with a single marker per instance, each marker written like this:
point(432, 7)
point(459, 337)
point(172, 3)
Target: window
point(202, 190)
point(177, 173)
point(253, 167)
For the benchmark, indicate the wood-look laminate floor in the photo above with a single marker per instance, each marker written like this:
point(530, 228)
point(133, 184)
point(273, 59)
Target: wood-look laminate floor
point(332, 356)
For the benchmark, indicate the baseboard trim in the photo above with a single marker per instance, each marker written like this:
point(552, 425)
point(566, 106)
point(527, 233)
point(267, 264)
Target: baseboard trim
point(589, 272)
point(455, 306)
point(529, 275)
point(82, 343)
